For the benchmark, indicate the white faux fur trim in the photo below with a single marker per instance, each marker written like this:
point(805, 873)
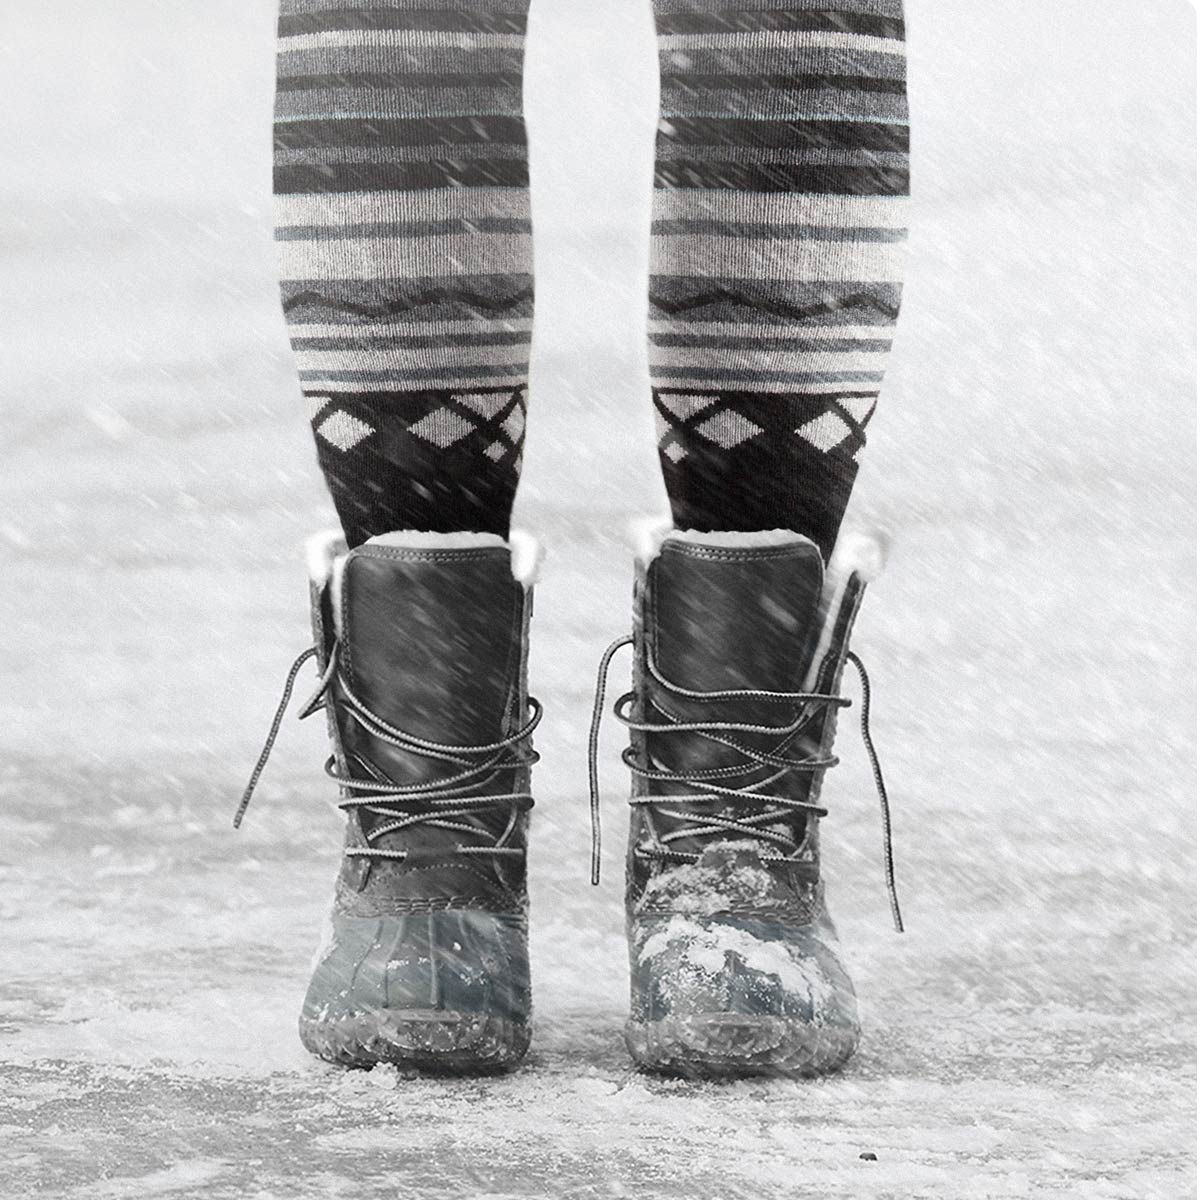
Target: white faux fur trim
point(738, 539)
point(649, 534)
point(417, 539)
point(859, 552)
point(525, 552)
point(646, 536)
point(527, 557)
point(321, 551)
point(856, 552)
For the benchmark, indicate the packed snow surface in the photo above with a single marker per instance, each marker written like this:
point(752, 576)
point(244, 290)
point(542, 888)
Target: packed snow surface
point(1031, 642)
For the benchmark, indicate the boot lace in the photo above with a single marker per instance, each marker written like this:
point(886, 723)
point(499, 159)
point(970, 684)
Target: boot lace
point(764, 808)
point(443, 802)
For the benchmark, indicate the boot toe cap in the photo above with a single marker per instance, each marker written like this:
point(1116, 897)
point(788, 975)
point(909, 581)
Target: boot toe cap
point(739, 994)
point(443, 990)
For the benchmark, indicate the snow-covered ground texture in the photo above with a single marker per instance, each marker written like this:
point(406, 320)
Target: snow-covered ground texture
point(1031, 641)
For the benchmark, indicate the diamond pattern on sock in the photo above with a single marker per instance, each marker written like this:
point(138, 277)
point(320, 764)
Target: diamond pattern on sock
point(678, 415)
point(514, 424)
point(314, 405)
point(488, 404)
point(343, 431)
point(846, 417)
point(443, 427)
point(728, 429)
point(761, 460)
point(859, 407)
point(437, 459)
point(687, 406)
point(826, 432)
point(669, 442)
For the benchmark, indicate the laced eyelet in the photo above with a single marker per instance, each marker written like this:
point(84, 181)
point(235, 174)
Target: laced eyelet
point(447, 802)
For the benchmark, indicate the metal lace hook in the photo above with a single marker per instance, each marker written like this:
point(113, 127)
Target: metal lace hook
point(885, 811)
point(277, 721)
point(594, 750)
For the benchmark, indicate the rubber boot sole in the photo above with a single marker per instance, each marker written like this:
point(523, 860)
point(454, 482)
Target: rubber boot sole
point(429, 1040)
point(732, 1045)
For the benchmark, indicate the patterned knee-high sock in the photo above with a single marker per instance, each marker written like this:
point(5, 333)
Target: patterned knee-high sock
point(402, 224)
point(776, 259)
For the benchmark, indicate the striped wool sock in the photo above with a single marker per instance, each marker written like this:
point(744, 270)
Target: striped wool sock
point(402, 224)
point(776, 259)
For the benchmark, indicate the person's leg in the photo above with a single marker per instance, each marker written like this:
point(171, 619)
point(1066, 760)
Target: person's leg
point(404, 244)
point(779, 214)
point(782, 167)
point(402, 219)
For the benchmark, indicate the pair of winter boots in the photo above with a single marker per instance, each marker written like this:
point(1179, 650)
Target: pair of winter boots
point(739, 643)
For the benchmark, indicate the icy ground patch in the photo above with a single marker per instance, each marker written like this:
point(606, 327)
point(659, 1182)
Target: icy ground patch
point(1030, 643)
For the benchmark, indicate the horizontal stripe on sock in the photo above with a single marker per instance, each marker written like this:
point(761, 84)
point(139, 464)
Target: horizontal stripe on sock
point(399, 229)
point(379, 207)
point(350, 155)
point(669, 154)
point(383, 258)
point(780, 40)
point(880, 8)
point(765, 381)
point(777, 341)
point(764, 331)
point(423, 20)
point(416, 132)
point(794, 208)
point(740, 20)
point(445, 173)
point(783, 177)
point(769, 361)
point(783, 233)
point(400, 39)
point(364, 339)
point(760, 259)
point(767, 134)
point(396, 361)
point(390, 81)
point(299, 331)
point(698, 64)
point(350, 61)
point(458, 379)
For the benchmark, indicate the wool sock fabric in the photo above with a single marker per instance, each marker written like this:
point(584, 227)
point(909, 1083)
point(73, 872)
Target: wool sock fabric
point(404, 244)
point(777, 253)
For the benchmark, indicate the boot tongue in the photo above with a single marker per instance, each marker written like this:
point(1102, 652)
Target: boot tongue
point(736, 615)
point(427, 638)
point(723, 617)
point(430, 643)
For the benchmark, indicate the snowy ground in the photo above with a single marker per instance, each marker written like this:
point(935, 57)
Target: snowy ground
point(1031, 643)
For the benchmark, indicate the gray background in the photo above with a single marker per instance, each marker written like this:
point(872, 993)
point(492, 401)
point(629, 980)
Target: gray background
point(1031, 641)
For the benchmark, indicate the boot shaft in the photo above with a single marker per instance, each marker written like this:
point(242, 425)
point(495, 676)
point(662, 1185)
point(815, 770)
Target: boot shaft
point(430, 638)
point(728, 630)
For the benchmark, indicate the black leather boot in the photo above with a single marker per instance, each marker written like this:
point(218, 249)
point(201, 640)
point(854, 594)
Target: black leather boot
point(739, 645)
point(422, 642)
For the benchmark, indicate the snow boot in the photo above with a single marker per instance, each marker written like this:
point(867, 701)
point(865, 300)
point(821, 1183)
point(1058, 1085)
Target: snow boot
point(739, 642)
point(422, 643)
